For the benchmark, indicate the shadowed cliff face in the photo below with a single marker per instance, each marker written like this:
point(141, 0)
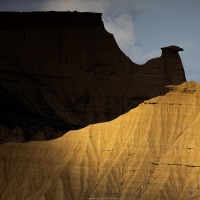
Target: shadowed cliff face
point(63, 71)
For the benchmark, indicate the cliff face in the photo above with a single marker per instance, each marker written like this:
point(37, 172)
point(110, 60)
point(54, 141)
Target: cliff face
point(63, 71)
point(151, 152)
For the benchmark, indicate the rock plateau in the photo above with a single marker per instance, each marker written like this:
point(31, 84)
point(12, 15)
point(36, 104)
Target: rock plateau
point(149, 153)
point(63, 71)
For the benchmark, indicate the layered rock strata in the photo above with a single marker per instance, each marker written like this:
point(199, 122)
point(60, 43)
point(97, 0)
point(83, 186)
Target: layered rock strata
point(151, 152)
point(63, 71)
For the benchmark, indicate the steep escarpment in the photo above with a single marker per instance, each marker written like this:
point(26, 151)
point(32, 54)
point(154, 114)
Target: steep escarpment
point(63, 71)
point(151, 152)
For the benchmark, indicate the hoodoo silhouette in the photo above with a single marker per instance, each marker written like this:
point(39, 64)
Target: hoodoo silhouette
point(61, 71)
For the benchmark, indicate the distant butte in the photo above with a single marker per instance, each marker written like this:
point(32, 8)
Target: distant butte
point(61, 71)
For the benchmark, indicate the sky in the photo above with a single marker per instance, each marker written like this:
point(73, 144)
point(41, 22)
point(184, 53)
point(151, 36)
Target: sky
point(140, 27)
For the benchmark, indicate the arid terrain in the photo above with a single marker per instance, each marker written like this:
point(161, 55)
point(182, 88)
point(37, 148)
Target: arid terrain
point(151, 152)
point(79, 120)
point(61, 71)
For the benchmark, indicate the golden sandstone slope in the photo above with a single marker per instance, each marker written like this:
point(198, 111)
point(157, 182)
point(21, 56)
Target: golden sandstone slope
point(151, 152)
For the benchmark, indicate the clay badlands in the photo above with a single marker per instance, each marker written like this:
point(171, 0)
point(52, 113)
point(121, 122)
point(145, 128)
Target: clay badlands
point(64, 71)
point(151, 152)
point(150, 148)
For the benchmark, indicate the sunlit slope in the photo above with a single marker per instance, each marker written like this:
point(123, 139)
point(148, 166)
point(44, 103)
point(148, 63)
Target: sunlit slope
point(151, 152)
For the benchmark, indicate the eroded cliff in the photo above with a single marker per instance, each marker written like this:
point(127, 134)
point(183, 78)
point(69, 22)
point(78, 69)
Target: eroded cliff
point(63, 71)
point(151, 152)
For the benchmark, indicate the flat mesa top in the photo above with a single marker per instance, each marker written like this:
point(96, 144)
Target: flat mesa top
point(12, 19)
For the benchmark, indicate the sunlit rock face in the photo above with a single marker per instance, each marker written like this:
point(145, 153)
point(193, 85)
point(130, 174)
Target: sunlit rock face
point(63, 71)
point(151, 152)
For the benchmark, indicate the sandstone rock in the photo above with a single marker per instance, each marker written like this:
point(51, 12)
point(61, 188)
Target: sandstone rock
point(151, 152)
point(63, 71)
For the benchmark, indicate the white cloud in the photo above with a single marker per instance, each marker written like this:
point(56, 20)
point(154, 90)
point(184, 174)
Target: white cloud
point(71, 5)
point(123, 28)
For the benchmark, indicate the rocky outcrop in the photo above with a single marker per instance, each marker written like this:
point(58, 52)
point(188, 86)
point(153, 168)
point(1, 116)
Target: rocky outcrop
point(63, 71)
point(151, 152)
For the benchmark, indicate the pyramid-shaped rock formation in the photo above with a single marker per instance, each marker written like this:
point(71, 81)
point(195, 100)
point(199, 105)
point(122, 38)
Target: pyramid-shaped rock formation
point(63, 71)
point(151, 152)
